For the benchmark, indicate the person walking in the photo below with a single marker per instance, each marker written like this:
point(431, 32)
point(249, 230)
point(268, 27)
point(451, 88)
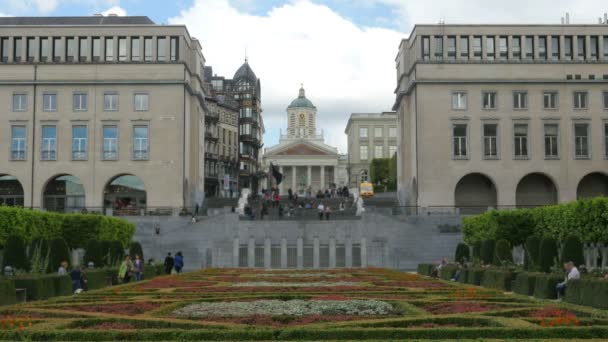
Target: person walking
point(290, 194)
point(321, 210)
point(125, 270)
point(179, 262)
point(327, 212)
point(138, 268)
point(169, 263)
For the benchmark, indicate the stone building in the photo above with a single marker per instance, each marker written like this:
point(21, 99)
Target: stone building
point(502, 115)
point(302, 155)
point(102, 113)
point(370, 136)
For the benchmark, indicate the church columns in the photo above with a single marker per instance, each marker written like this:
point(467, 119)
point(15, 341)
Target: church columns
point(336, 176)
point(281, 188)
point(322, 178)
point(309, 179)
point(293, 179)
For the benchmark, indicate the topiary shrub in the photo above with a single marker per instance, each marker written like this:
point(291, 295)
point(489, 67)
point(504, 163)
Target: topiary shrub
point(545, 286)
point(524, 283)
point(477, 250)
point(531, 253)
point(423, 269)
point(547, 253)
point(116, 253)
point(15, 254)
point(573, 251)
point(487, 251)
point(475, 276)
point(502, 253)
point(94, 253)
point(59, 253)
point(135, 249)
point(105, 251)
point(462, 253)
point(7, 292)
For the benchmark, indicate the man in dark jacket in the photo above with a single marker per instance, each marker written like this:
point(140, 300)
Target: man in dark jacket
point(169, 263)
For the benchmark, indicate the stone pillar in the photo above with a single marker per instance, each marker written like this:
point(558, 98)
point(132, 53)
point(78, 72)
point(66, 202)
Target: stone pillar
point(348, 252)
point(235, 252)
point(267, 253)
point(281, 188)
point(300, 252)
point(294, 184)
point(322, 178)
point(336, 175)
point(604, 251)
point(251, 253)
point(315, 253)
point(75, 258)
point(363, 252)
point(283, 253)
point(332, 252)
point(309, 180)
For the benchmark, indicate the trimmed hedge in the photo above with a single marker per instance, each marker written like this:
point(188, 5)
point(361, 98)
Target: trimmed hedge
point(59, 253)
point(532, 248)
point(447, 271)
point(94, 254)
point(475, 276)
point(525, 283)
point(590, 292)
point(463, 253)
point(136, 249)
point(7, 292)
point(487, 251)
point(76, 229)
point(502, 253)
point(15, 254)
point(425, 269)
point(499, 279)
point(547, 254)
point(38, 287)
point(100, 278)
point(573, 251)
point(62, 285)
point(544, 287)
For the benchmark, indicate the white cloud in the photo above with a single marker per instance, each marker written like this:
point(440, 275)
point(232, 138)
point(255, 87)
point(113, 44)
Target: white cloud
point(45, 7)
point(119, 11)
point(344, 68)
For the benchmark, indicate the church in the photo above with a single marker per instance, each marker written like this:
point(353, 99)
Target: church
point(302, 155)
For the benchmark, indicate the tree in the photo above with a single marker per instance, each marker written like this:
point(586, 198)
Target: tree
point(573, 251)
point(547, 254)
point(135, 249)
point(94, 253)
point(531, 255)
point(116, 253)
point(378, 171)
point(477, 250)
point(502, 253)
point(59, 253)
point(15, 254)
point(487, 251)
point(462, 253)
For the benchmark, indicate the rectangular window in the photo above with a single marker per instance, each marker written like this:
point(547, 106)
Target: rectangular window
point(79, 143)
point(96, 49)
point(363, 132)
point(378, 132)
point(18, 143)
point(520, 100)
point(581, 45)
point(392, 149)
point(140, 143)
point(542, 48)
point(57, 49)
point(141, 102)
point(551, 141)
point(148, 49)
point(464, 48)
point(529, 48)
point(135, 49)
point(581, 141)
point(363, 153)
point(18, 48)
point(45, 50)
point(489, 99)
point(605, 140)
point(19, 102)
point(459, 101)
point(451, 48)
point(392, 131)
point(378, 151)
point(438, 48)
point(605, 47)
point(477, 48)
point(568, 48)
point(516, 47)
point(555, 48)
point(122, 49)
point(49, 143)
point(161, 48)
point(503, 48)
point(5, 49)
point(550, 100)
point(49, 102)
point(110, 102)
point(110, 142)
point(426, 48)
point(580, 100)
point(490, 141)
point(605, 99)
point(80, 102)
point(31, 49)
point(594, 48)
point(459, 141)
point(71, 49)
point(109, 48)
point(174, 48)
point(82, 42)
point(520, 143)
point(490, 48)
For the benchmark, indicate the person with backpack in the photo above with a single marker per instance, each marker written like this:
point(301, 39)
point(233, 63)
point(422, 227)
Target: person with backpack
point(179, 262)
point(169, 263)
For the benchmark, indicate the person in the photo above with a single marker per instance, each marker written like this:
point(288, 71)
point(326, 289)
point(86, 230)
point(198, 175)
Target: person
point(83, 279)
point(606, 276)
point(138, 268)
point(327, 212)
point(571, 273)
point(76, 279)
point(276, 199)
point(321, 210)
point(342, 206)
point(290, 194)
point(231, 191)
point(169, 263)
point(281, 210)
point(437, 270)
point(125, 270)
point(63, 268)
point(179, 262)
point(264, 211)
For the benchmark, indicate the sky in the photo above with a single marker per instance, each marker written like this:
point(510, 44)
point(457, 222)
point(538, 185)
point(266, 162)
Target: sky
point(343, 51)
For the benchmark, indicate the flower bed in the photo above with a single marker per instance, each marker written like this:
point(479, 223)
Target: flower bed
point(286, 284)
point(127, 309)
point(458, 307)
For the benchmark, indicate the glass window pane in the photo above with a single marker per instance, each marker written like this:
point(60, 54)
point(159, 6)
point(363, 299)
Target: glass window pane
point(135, 55)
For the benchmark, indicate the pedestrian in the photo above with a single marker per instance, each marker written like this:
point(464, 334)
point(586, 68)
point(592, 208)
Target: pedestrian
point(179, 262)
point(169, 263)
point(138, 268)
point(327, 212)
point(290, 194)
point(571, 274)
point(321, 210)
point(231, 191)
point(125, 270)
point(63, 268)
point(276, 199)
point(263, 211)
point(76, 279)
point(281, 210)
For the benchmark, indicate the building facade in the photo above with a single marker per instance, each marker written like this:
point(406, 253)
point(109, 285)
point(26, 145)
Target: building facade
point(100, 113)
point(502, 115)
point(302, 156)
point(370, 136)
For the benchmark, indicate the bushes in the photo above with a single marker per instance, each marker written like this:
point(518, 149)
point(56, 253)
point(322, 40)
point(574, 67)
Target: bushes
point(94, 254)
point(502, 253)
point(116, 253)
point(62, 285)
point(573, 251)
point(462, 253)
point(545, 286)
point(487, 251)
point(475, 276)
point(531, 253)
point(499, 279)
point(590, 292)
point(7, 292)
point(447, 272)
point(38, 287)
point(135, 249)
point(59, 253)
point(425, 269)
point(524, 283)
point(547, 254)
point(477, 250)
point(15, 254)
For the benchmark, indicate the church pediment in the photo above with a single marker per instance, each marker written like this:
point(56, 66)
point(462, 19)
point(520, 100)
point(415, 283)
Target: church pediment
point(302, 150)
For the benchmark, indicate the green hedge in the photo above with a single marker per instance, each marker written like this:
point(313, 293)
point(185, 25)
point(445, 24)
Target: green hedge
point(544, 287)
point(99, 278)
point(475, 276)
point(76, 229)
point(499, 279)
point(62, 285)
point(447, 272)
point(524, 283)
point(590, 292)
point(584, 218)
point(7, 292)
point(37, 287)
point(425, 269)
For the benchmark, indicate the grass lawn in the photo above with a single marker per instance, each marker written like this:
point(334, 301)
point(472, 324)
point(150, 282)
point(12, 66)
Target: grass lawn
point(356, 304)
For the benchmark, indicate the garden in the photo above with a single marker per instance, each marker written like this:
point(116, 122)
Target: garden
point(250, 304)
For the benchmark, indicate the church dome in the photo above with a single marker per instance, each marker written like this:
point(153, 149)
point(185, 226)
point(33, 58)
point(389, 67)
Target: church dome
point(245, 72)
point(301, 101)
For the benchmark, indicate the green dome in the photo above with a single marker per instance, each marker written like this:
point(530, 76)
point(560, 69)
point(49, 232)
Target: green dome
point(301, 101)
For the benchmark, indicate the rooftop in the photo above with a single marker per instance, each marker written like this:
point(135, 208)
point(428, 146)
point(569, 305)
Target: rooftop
point(75, 21)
